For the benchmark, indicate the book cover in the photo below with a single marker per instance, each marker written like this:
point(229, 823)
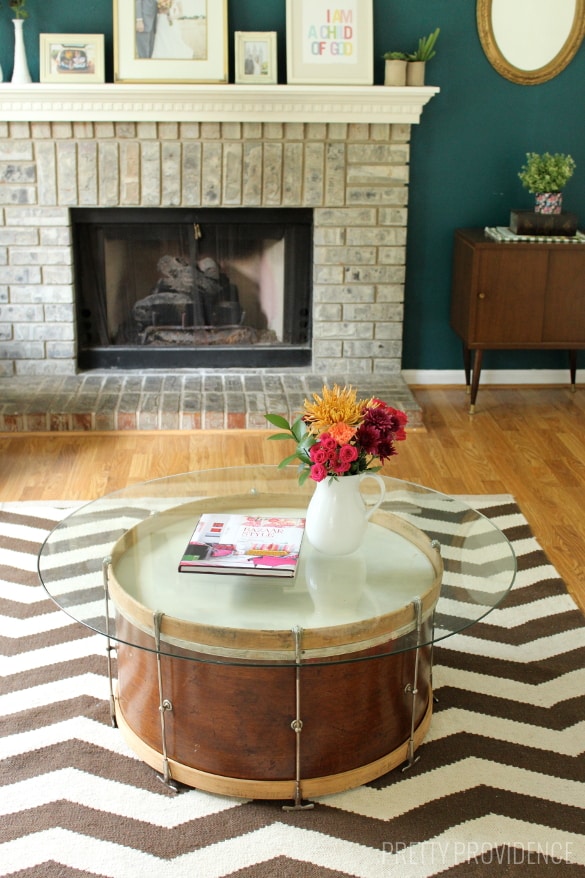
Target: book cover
point(260, 545)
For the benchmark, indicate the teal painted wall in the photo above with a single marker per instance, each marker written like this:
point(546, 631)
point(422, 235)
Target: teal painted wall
point(466, 153)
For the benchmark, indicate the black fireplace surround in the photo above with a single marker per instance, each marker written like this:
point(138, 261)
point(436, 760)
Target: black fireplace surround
point(168, 288)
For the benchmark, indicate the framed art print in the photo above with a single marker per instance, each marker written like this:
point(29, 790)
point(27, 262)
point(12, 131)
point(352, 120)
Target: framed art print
point(329, 43)
point(170, 41)
point(256, 57)
point(71, 58)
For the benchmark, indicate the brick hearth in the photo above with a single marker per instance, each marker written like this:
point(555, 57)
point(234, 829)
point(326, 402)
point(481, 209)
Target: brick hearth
point(178, 401)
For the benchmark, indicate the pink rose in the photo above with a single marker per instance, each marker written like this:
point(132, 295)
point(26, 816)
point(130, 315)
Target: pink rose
point(318, 472)
point(340, 467)
point(328, 442)
point(348, 453)
point(318, 454)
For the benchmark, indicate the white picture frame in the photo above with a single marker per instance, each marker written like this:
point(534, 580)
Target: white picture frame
point(67, 58)
point(182, 41)
point(330, 44)
point(255, 55)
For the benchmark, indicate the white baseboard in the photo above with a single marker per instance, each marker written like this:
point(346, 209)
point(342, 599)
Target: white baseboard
point(491, 376)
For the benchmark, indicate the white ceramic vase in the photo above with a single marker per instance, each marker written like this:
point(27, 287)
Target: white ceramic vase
point(20, 71)
point(337, 515)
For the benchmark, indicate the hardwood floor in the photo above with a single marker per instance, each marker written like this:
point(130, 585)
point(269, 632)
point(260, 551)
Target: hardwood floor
point(529, 442)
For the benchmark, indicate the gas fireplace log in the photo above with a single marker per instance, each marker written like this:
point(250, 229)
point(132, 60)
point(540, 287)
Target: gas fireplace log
point(207, 335)
point(186, 298)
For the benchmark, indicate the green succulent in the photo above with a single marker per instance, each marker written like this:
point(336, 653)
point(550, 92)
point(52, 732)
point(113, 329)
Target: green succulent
point(395, 56)
point(545, 172)
point(426, 47)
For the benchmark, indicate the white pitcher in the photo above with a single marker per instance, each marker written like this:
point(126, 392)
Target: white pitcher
point(337, 515)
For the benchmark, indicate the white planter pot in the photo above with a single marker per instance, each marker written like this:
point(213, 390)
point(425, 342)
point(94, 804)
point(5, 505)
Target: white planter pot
point(395, 72)
point(415, 73)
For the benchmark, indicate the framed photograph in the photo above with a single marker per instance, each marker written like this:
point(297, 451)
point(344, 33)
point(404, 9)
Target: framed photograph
point(170, 41)
point(329, 43)
point(71, 58)
point(256, 57)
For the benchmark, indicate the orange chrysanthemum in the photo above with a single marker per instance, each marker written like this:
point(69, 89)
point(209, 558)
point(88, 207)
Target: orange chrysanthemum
point(342, 432)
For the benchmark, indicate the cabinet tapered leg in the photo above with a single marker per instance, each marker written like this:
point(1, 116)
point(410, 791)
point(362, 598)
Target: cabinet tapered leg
point(475, 380)
point(573, 368)
point(467, 367)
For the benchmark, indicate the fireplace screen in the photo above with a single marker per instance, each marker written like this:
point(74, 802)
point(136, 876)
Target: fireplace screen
point(171, 288)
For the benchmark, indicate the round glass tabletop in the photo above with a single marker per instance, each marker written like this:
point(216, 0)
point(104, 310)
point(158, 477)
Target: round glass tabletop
point(429, 567)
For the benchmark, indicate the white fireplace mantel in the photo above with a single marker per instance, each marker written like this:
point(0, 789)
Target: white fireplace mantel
point(41, 102)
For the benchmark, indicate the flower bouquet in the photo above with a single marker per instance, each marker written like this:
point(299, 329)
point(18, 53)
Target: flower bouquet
point(339, 435)
point(166, 7)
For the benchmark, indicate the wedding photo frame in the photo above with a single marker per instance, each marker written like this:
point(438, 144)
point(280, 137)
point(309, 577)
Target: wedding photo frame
point(330, 43)
point(71, 58)
point(161, 41)
point(255, 53)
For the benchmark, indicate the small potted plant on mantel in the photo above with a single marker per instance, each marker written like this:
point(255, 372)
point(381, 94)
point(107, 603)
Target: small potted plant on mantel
point(545, 175)
point(417, 60)
point(395, 68)
point(403, 68)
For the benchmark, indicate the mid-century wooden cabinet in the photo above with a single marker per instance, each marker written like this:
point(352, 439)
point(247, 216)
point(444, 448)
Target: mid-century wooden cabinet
point(525, 295)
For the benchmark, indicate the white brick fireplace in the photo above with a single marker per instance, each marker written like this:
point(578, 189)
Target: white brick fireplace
point(343, 152)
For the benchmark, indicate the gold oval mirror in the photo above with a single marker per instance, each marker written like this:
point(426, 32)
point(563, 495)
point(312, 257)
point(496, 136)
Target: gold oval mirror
point(530, 41)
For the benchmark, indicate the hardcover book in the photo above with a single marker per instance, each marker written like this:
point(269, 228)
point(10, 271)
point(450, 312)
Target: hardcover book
point(259, 545)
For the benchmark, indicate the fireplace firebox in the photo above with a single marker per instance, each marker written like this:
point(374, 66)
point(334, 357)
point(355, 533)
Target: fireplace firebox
point(192, 288)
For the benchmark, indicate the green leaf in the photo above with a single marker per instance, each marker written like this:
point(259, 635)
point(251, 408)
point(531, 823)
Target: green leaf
point(287, 460)
point(278, 421)
point(280, 436)
point(304, 475)
point(298, 429)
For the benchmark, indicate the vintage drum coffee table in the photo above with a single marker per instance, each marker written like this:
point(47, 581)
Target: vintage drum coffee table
point(266, 687)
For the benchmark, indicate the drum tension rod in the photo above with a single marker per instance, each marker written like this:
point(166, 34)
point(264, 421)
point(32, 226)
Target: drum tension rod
point(297, 727)
point(435, 544)
point(412, 687)
point(109, 648)
point(164, 706)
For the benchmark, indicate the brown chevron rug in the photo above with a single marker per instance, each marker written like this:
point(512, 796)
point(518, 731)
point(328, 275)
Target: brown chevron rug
point(499, 787)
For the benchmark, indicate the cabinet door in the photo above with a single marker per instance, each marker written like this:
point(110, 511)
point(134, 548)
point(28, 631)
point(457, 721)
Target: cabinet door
point(564, 315)
point(510, 295)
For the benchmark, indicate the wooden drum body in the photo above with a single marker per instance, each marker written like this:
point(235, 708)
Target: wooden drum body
point(255, 711)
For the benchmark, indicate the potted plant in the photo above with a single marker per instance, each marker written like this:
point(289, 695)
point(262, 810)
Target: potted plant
point(545, 175)
point(395, 68)
point(417, 60)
